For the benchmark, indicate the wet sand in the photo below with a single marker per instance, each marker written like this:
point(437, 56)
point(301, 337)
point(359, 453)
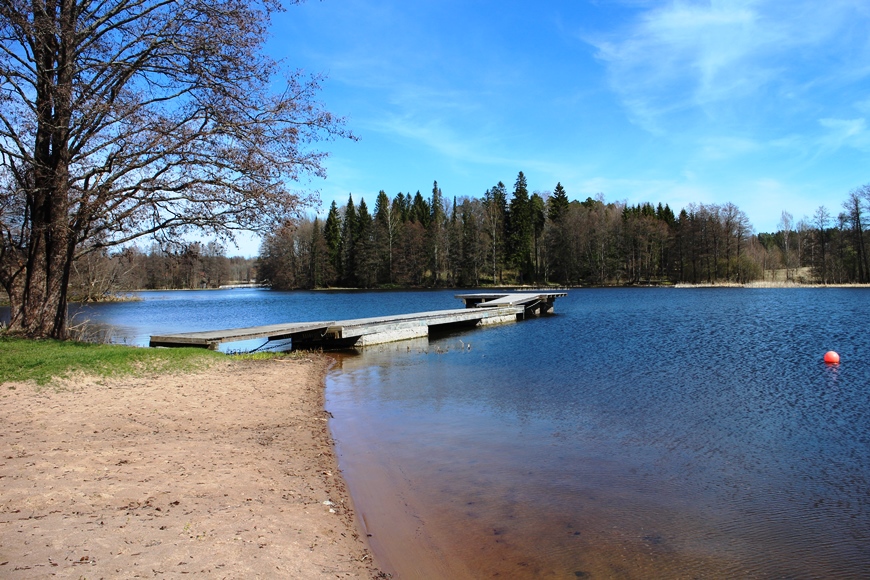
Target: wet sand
point(226, 473)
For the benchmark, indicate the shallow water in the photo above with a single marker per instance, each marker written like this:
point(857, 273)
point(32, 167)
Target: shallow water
point(636, 433)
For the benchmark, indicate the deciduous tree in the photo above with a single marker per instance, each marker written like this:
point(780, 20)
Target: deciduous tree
point(129, 118)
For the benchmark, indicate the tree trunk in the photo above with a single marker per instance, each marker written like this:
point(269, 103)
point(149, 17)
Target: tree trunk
point(38, 297)
point(38, 294)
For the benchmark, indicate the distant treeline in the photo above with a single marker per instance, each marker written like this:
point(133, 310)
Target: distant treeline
point(100, 276)
point(539, 238)
point(506, 238)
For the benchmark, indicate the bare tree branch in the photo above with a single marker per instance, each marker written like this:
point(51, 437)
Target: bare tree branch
point(128, 118)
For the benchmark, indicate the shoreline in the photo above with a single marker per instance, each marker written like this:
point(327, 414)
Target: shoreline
point(230, 471)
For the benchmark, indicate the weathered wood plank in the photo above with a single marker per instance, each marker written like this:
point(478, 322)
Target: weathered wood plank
point(366, 331)
point(498, 299)
point(489, 308)
point(210, 338)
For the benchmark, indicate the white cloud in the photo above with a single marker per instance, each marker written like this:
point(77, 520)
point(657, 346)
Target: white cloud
point(845, 133)
point(702, 55)
point(482, 145)
point(436, 135)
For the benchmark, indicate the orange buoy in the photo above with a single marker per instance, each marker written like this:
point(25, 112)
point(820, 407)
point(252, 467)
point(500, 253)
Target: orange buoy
point(832, 358)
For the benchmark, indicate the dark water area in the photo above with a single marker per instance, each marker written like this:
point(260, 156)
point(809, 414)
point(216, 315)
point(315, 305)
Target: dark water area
point(636, 433)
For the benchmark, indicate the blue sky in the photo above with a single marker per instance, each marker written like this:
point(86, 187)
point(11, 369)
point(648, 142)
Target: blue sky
point(762, 103)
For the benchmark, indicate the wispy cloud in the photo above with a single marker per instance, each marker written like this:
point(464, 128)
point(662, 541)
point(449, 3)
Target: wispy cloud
point(484, 148)
point(700, 54)
point(845, 133)
point(438, 136)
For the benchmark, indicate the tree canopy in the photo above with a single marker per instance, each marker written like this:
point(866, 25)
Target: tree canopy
point(132, 118)
point(546, 238)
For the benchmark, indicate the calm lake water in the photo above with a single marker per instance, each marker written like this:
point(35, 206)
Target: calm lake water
point(636, 433)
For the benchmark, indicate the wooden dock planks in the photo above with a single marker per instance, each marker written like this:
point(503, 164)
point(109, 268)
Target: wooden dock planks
point(368, 331)
point(481, 309)
point(212, 338)
point(344, 333)
point(533, 302)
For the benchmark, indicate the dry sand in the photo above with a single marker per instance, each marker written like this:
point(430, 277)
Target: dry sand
point(226, 473)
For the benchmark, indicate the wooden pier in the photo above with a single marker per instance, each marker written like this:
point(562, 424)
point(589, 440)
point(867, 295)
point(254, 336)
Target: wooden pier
point(481, 310)
point(532, 302)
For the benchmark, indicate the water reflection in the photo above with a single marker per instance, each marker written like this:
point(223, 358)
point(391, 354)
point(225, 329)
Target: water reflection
point(636, 433)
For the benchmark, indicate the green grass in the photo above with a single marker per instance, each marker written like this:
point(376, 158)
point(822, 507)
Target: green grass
point(43, 360)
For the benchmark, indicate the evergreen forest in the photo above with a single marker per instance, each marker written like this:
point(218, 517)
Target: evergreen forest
point(542, 238)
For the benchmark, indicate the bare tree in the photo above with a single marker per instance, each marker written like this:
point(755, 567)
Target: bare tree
point(821, 221)
point(786, 223)
point(495, 204)
point(855, 210)
point(387, 222)
point(128, 118)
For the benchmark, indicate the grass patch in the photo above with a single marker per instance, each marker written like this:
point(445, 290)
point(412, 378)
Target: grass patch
point(43, 360)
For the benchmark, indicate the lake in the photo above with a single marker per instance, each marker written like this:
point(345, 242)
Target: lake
point(636, 433)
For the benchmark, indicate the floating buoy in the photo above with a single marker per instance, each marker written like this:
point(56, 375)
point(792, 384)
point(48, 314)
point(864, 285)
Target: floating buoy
point(832, 358)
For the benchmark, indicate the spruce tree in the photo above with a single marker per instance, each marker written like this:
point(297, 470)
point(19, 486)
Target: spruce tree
point(363, 221)
point(365, 260)
point(332, 233)
point(402, 206)
point(558, 205)
point(557, 238)
point(348, 239)
point(420, 211)
point(521, 227)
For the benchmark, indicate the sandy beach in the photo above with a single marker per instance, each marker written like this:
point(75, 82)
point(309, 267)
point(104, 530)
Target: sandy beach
point(229, 472)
